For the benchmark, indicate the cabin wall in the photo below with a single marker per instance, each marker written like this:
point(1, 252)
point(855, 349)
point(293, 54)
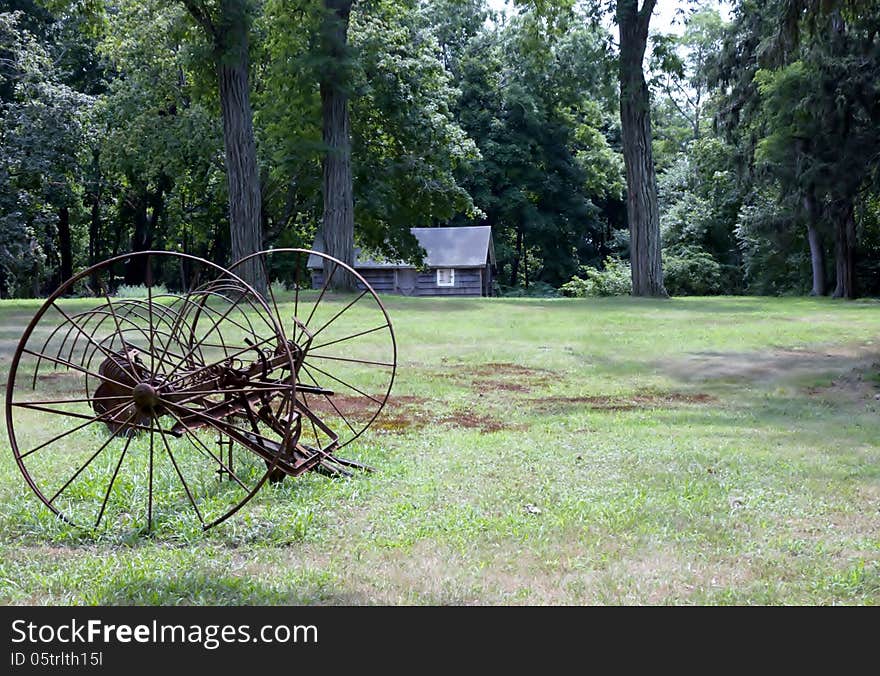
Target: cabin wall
point(468, 281)
point(381, 279)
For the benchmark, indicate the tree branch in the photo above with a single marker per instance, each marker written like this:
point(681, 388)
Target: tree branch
point(201, 16)
point(645, 13)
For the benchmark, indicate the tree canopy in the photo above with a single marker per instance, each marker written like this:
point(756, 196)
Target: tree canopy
point(118, 133)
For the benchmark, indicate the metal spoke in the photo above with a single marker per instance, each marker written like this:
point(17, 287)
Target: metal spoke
point(149, 281)
point(354, 335)
point(342, 382)
point(334, 318)
point(330, 401)
point(89, 461)
point(318, 302)
point(356, 361)
point(76, 367)
point(179, 474)
point(110, 413)
point(113, 480)
point(210, 420)
point(191, 435)
point(69, 401)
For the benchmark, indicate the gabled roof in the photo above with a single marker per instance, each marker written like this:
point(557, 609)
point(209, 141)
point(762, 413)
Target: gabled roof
point(465, 247)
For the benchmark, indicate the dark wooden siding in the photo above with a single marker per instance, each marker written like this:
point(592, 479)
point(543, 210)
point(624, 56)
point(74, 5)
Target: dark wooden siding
point(468, 282)
point(382, 280)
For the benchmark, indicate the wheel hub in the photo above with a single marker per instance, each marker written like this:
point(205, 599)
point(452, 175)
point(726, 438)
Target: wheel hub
point(145, 396)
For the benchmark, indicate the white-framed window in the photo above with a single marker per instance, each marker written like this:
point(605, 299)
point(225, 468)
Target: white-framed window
point(445, 277)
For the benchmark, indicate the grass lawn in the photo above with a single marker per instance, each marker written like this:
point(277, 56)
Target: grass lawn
point(701, 450)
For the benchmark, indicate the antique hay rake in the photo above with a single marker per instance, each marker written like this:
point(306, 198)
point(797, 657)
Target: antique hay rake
point(147, 409)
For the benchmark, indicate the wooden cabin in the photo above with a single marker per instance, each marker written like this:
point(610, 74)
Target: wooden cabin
point(460, 262)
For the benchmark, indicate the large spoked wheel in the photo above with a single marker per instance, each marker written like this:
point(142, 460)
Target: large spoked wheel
point(349, 353)
point(141, 411)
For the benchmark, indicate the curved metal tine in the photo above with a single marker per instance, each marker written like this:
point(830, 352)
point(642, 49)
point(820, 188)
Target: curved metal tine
point(229, 356)
point(113, 480)
point(208, 293)
point(134, 371)
point(94, 455)
point(272, 296)
point(161, 313)
point(156, 332)
point(149, 280)
point(61, 347)
point(180, 474)
point(135, 328)
point(124, 343)
point(176, 328)
point(86, 335)
point(76, 367)
point(214, 326)
point(88, 359)
point(192, 437)
point(107, 414)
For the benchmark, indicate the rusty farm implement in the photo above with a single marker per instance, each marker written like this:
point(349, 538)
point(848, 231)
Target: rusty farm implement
point(126, 409)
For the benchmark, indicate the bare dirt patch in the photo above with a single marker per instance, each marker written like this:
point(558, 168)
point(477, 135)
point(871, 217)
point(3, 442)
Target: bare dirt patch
point(624, 402)
point(401, 414)
point(858, 386)
point(498, 376)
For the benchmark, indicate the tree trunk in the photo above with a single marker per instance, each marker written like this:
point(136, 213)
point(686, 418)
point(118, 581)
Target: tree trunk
point(844, 253)
point(817, 249)
point(514, 266)
point(238, 140)
point(65, 247)
point(641, 180)
point(338, 218)
point(135, 268)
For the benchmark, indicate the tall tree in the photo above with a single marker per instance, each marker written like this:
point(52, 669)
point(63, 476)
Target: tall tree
point(227, 26)
point(338, 220)
point(635, 119)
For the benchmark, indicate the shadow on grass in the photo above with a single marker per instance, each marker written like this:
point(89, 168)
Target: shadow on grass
point(213, 589)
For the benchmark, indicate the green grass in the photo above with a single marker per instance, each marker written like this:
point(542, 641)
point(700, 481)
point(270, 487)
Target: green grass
point(704, 450)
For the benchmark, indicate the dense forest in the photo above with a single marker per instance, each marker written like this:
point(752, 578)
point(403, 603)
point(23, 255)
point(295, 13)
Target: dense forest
point(218, 127)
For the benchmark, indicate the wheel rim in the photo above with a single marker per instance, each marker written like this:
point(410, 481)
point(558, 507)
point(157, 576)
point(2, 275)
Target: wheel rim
point(352, 351)
point(105, 416)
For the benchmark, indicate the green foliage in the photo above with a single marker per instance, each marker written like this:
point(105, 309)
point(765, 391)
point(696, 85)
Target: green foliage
point(139, 291)
point(700, 196)
point(689, 271)
point(775, 254)
point(42, 126)
point(549, 180)
point(614, 280)
point(534, 290)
